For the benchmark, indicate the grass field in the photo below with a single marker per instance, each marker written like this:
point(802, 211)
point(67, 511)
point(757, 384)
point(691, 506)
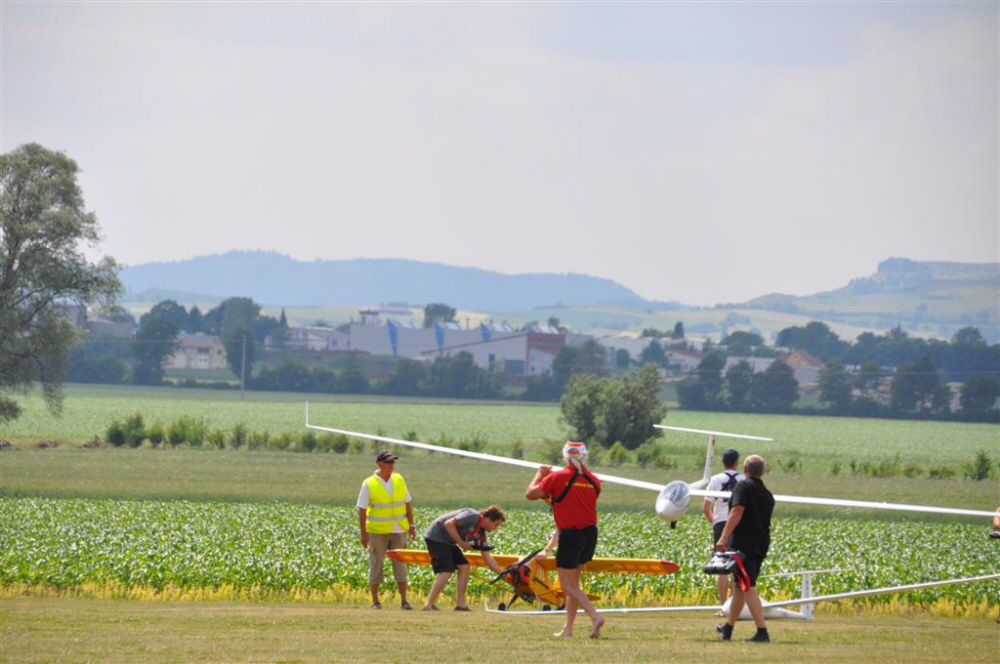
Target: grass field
point(818, 441)
point(120, 495)
point(69, 630)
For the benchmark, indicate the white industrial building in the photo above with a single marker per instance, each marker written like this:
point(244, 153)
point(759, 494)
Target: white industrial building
point(527, 353)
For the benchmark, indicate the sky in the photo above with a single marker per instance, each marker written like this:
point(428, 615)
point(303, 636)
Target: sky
point(697, 152)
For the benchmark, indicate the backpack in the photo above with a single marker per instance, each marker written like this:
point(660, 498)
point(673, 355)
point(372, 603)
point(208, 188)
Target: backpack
point(730, 483)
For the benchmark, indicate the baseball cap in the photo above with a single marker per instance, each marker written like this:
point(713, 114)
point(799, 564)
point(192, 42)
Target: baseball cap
point(730, 456)
point(386, 456)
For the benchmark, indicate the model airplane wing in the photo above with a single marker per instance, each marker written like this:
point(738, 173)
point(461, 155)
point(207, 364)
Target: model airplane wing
point(600, 565)
point(417, 557)
point(653, 486)
point(628, 566)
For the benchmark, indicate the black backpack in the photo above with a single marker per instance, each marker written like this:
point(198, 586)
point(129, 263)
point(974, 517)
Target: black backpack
point(730, 483)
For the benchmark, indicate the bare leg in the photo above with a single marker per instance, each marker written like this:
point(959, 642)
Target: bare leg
point(374, 589)
point(439, 583)
point(723, 588)
point(756, 608)
point(460, 585)
point(736, 608)
point(569, 580)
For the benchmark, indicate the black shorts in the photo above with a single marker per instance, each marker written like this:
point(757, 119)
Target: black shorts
point(576, 547)
point(752, 565)
point(717, 529)
point(445, 557)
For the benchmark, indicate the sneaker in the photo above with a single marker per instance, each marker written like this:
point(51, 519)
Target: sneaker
point(725, 631)
point(760, 637)
point(995, 534)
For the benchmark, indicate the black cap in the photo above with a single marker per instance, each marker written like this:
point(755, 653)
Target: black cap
point(730, 456)
point(386, 456)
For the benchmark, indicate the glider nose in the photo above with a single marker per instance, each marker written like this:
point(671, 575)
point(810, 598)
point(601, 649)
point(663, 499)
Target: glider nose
point(673, 501)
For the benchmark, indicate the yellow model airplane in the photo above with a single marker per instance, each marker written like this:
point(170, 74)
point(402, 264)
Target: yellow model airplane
point(531, 578)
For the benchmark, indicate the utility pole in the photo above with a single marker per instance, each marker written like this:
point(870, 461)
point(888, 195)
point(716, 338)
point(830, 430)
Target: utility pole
point(243, 368)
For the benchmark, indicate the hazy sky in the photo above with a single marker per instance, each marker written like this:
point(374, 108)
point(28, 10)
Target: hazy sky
point(704, 153)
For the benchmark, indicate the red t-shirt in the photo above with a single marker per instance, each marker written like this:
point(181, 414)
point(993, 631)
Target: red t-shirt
point(579, 508)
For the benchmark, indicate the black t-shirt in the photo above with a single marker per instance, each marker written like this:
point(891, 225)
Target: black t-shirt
point(753, 533)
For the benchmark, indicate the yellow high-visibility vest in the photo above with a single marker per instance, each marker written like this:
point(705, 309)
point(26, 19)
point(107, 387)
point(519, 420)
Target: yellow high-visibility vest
point(384, 509)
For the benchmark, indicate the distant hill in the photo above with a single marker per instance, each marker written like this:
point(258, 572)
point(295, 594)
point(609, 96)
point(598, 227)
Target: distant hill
point(929, 299)
point(275, 279)
point(932, 298)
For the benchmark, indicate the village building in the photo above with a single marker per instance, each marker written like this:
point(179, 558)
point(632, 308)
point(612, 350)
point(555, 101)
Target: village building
point(316, 338)
point(197, 351)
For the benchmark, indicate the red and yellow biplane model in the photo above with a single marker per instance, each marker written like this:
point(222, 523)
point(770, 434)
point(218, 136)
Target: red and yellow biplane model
point(531, 578)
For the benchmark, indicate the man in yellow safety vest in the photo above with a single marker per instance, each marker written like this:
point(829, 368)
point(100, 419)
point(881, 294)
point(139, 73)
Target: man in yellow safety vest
point(386, 517)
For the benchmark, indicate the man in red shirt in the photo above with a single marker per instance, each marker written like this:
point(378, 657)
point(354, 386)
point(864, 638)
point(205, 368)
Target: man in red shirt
point(573, 492)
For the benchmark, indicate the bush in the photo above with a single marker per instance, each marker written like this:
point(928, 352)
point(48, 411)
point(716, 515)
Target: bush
point(941, 472)
point(551, 452)
point(980, 467)
point(618, 454)
point(187, 429)
point(176, 432)
point(197, 431)
point(239, 436)
point(517, 451)
point(155, 434)
point(134, 430)
point(341, 443)
point(280, 442)
point(308, 442)
point(477, 443)
point(217, 439)
point(792, 464)
point(648, 455)
point(258, 440)
point(115, 434)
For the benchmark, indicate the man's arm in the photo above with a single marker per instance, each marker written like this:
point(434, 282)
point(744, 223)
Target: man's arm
point(534, 492)
point(706, 509)
point(451, 527)
point(494, 565)
point(363, 522)
point(409, 517)
point(735, 515)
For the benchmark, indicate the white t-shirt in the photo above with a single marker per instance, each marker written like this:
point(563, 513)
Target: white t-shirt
point(365, 497)
point(721, 505)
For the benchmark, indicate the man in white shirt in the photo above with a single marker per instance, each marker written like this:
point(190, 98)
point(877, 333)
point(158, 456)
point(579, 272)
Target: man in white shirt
point(716, 510)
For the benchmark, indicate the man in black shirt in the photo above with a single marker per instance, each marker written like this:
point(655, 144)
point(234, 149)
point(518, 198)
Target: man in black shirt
point(749, 526)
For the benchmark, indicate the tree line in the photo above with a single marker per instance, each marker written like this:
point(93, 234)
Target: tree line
point(889, 375)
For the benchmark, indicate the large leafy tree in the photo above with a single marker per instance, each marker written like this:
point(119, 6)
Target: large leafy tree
point(815, 338)
point(606, 411)
point(835, 387)
point(979, 396)
point(241, 352)
point(170, 310)
point(739, 380)
point(43, 230)
point(917, 387)
point(437, 312)
point(154, 342)
point(775, 389)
